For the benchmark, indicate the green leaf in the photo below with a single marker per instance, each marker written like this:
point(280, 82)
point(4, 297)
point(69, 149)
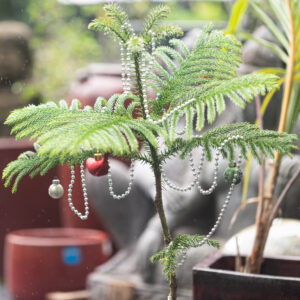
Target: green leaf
point(237, 13)
point(280, 10)
point(270, 24)
point(200, 116)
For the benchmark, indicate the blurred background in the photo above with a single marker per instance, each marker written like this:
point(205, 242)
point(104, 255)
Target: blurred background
point(61, 43)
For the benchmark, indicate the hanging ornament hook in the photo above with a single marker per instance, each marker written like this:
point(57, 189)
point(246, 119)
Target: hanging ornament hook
point(98, 156)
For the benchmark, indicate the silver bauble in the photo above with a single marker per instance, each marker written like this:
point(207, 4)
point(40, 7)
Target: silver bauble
point(55, 189)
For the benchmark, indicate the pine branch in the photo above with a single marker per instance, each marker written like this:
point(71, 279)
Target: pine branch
point(31, 163)
point(253, 140)
point(154, 17)
point(33, 120)
point(83, 130)
point(164, 32)
point(204, 77)
point(27, 163)
point(116, 13)
point(176, 147)
point(113, 23)
point(107, 26)
point(180, 244)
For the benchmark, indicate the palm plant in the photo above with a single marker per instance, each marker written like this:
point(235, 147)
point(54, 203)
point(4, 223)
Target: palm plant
point(286, 32)
point(188, 85)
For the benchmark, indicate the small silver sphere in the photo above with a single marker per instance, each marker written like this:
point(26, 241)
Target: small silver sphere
point(55, 189)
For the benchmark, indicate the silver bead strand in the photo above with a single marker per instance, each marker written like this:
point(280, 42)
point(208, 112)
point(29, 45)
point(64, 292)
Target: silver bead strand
point(181, 132)
point(220, 216)
point(196, 173)
point(144, 86)
point(151, 61)
point(216, 166)
point(177, 188)
point(216, 169)
point(84, 190)
point(228, 197)
point(144, 73)
point(170, 113)
point(110, 183)
point(123, 66)
point(128, 28)
point(128, 73)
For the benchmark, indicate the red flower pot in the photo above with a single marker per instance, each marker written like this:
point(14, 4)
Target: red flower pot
point(40, 261)
point(30, 206)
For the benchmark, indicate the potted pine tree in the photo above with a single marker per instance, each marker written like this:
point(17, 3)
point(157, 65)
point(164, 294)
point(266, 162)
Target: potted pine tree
point(188, 84)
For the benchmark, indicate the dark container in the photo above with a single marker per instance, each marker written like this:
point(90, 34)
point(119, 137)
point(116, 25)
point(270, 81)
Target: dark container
point(215, 279)
point(40, 261)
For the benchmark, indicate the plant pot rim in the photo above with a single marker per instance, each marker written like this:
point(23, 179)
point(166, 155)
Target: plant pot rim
point(206, 263)
point(47, 237)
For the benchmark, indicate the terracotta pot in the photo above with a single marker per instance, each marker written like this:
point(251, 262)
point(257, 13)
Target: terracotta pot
point(215, 279)
point(40, 261)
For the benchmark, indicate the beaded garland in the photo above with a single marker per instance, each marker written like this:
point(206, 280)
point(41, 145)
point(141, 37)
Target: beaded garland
point(84, 190)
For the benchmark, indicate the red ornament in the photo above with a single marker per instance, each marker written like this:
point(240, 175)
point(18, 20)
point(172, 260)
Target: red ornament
point(97, 165)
